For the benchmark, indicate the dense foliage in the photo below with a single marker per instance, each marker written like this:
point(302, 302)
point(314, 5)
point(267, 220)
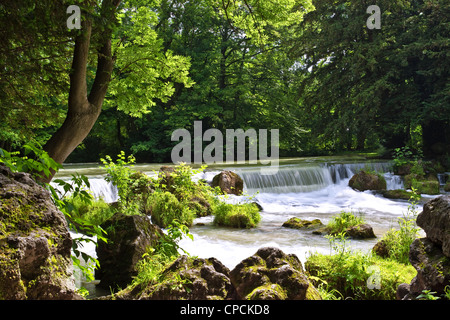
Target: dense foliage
point(312, 69)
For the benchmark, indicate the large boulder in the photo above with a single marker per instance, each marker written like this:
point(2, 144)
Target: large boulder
point(363, 181)
point(271, 274)
point(435, 221)
point(361, 231)
point(35, 243)
point(128, 239)
point(229, 182)
point(433, 270)
point(186, 279)
point(430, 256)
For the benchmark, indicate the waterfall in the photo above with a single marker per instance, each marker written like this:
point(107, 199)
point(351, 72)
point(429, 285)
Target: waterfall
point(294, 178)
point(100, 189)
point(312, 177)
point(442, 177)
point(287, 179)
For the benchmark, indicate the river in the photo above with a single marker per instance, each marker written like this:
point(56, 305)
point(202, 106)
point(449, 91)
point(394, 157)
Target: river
point(307, 188)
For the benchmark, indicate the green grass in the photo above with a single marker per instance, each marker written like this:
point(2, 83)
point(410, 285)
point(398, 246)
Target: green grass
point(359, 276)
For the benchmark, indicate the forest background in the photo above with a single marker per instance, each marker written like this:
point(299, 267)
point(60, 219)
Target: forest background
point(310, 68)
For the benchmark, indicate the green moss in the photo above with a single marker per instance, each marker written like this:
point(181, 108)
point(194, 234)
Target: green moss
point(426, 186)
point(397, 194)
point(269, 291)
point(297, 223)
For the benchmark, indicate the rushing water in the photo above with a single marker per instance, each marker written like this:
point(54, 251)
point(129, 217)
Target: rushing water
point(304, 188)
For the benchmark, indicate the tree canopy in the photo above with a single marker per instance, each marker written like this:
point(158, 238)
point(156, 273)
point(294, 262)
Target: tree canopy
point(137, 70)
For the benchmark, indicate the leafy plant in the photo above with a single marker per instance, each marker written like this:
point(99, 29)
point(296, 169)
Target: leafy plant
point(244, 215)
point(33, 159)
point(165, 208)
point(338, 244)
point(65, 203)
point(402, 156)
point(95, 213)
point(344, 220)
point(427, 295)
point(398, 241)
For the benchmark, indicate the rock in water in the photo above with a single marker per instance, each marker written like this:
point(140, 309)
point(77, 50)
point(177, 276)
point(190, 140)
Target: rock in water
point(435, 221)
point(229, 182)
point(35, 243)
point(129, 237)
point(363, 181)
point(271, 274)
point(297, 223)
point(361, 231)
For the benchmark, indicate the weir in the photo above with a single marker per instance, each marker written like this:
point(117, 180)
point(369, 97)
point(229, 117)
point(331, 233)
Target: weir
point(312, 177)
point(294, 178)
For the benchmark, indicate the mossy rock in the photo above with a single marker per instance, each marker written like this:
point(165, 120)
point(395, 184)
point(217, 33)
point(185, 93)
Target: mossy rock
point(270, 274)
point(35, 243)
point(229, 182)
point(129, 238)
point(200, 206)
point(363, 181)
point(244, 215)
point(403, 169)
point(187, 278)
point(297, 223)
point(426, 186)
point(447, 187)
point(396, 194)
point(362, 231)
point(268, 292)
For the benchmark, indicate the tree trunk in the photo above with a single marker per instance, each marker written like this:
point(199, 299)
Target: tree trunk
point(83, 110)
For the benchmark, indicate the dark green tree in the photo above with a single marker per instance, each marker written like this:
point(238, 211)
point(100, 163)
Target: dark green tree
point(366, 85)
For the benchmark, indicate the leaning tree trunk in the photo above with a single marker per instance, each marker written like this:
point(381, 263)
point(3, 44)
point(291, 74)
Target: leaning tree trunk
point(84, 109)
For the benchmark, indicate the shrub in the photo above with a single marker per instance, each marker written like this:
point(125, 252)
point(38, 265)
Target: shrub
point(95, 213)
point(236, 215)
point(343, 221)
point(165, 208)
point(121, 175)
point(397, 242)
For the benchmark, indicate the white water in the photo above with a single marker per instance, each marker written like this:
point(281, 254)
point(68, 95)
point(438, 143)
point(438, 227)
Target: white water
point(308, 190)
